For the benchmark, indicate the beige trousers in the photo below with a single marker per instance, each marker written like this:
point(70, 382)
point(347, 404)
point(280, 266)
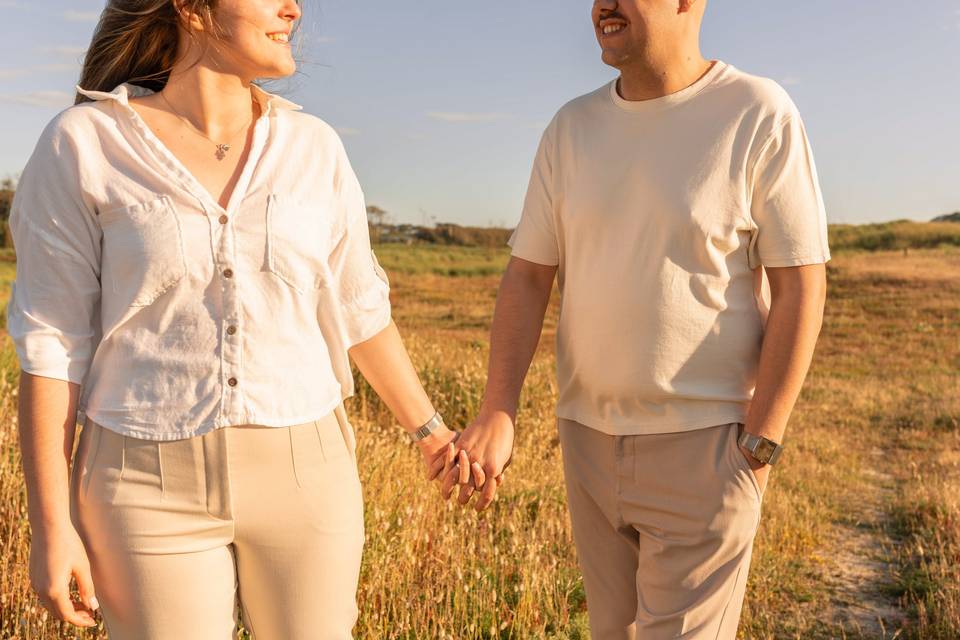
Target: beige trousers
point(664, 526)
point(182, 534)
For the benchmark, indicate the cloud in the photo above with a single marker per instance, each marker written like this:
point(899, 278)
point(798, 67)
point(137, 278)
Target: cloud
point(63, 50)
point(448, 116)
point(56, 99)
point(80, 16)
point(59, 67)
point(13, 4)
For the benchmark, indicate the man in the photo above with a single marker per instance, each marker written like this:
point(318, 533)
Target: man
point(679, 208)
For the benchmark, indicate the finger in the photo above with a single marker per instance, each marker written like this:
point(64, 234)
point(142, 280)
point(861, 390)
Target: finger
point(436, 467)
point(479, 477)
point(69, 611)
point(449, 482)
point(499, 479)
point(464, 464)
point(447, 456)
point(466, 490)
point(85, 587)
point(487, 495)
point(450, 458)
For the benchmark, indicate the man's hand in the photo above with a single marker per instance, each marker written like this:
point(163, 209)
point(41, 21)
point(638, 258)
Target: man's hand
point(760, 470)
point(485, 449)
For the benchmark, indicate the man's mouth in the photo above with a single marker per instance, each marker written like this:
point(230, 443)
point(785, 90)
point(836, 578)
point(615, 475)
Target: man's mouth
point(281, 36)
point(611, 27)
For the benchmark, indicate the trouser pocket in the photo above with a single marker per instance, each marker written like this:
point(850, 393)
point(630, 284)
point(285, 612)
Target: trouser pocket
point(346, 430)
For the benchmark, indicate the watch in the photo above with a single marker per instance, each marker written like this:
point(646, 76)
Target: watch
point(763, 449)
point(429, 427)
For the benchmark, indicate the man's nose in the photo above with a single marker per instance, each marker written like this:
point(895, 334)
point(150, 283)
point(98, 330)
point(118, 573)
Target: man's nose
point(606, 5)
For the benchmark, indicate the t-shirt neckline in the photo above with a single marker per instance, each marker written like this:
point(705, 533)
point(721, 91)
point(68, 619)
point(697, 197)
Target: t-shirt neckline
point(654, 104)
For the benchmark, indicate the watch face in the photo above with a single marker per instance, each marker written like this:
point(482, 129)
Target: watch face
point(764, 450)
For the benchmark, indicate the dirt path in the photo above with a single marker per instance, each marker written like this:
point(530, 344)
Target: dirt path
point(864, 562)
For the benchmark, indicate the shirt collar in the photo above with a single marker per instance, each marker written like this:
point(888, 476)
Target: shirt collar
point(123, 92)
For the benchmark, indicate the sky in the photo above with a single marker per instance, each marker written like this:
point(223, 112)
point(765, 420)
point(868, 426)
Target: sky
point(441, 104)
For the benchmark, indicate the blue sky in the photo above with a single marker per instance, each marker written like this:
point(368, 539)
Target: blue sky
point(441, 104)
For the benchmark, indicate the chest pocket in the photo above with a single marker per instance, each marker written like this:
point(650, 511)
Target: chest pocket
point(143, 253)
point(298, 241)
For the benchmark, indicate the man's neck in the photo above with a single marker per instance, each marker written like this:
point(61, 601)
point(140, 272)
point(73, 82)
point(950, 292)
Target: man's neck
point(657, 77)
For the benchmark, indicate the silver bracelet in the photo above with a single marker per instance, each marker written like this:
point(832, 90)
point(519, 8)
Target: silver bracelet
point(429, 427)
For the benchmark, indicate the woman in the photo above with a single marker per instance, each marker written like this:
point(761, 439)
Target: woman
point(193, 269)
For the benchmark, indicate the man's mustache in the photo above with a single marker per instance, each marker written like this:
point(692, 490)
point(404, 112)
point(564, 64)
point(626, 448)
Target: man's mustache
point(612, 14)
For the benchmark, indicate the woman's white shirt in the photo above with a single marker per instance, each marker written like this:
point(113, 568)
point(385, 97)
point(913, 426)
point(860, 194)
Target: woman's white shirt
point(178, 316)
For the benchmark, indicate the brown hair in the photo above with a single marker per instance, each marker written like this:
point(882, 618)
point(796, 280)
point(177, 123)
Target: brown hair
point(136, 41)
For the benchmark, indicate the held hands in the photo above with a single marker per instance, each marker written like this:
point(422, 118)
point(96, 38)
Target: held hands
point(484, 451)
point(474, 460)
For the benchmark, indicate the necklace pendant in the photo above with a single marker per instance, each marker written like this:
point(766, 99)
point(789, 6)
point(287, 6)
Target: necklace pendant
point(222, 150)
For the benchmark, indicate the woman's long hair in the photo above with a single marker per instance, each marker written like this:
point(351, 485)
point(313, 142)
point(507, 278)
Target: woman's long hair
point(136, 41)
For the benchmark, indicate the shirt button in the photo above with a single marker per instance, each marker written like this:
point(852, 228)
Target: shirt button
point(232, 382)
point(223, 219)
point(228, 273)
point(231, 330)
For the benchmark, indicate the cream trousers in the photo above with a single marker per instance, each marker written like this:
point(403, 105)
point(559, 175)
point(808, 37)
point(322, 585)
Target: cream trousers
point(664, 526)
point(184, 536)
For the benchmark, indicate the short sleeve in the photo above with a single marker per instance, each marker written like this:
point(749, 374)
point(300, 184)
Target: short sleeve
point(54, 301)
point(362, 285)
point(787, 204)
point(535, 238)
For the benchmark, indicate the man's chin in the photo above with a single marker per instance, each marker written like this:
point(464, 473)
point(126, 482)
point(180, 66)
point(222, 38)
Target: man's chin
point(614, 58)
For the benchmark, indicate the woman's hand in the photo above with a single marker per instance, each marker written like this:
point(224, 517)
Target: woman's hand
point(438, 451)
point(54, 559)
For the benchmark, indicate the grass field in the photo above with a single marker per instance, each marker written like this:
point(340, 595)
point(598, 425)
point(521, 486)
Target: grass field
point(860, 536)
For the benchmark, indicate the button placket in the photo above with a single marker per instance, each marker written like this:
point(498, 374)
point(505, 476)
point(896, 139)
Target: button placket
point(232, 354)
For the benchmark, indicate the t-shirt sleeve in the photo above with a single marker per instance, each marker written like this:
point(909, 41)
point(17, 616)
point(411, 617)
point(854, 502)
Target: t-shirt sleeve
point(787, 205)
point(54, 301)
point(362, 284)
point(535, 238)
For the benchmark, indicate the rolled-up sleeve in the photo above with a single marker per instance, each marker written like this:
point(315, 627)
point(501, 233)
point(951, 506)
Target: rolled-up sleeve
point(362, 285)
point(54, 300)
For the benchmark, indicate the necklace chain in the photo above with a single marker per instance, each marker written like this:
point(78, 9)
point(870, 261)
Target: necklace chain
point(222, 147)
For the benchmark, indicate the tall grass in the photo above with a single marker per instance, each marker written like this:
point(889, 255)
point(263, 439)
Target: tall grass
point(880, 398)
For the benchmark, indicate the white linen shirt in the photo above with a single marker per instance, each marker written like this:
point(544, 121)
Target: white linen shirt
point(178, 316)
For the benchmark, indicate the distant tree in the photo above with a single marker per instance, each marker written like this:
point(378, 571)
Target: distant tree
point(6, 198)
point(376, 218)
point(948, 217)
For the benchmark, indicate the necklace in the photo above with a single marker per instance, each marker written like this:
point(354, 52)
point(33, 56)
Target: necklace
point(222, 147)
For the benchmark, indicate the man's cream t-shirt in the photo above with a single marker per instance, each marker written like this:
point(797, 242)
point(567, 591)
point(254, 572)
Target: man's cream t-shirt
point(659, 214)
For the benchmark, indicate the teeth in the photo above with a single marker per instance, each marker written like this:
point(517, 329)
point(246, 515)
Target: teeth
point(279, 37)
point(612, 28)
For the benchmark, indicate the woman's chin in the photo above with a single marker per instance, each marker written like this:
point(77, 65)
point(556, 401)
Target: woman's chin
point(279, 72)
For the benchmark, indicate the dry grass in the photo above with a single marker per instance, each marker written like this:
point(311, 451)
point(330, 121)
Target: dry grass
point(859, 536)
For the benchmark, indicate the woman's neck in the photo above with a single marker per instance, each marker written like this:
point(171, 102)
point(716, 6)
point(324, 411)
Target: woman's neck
point(215, 103)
